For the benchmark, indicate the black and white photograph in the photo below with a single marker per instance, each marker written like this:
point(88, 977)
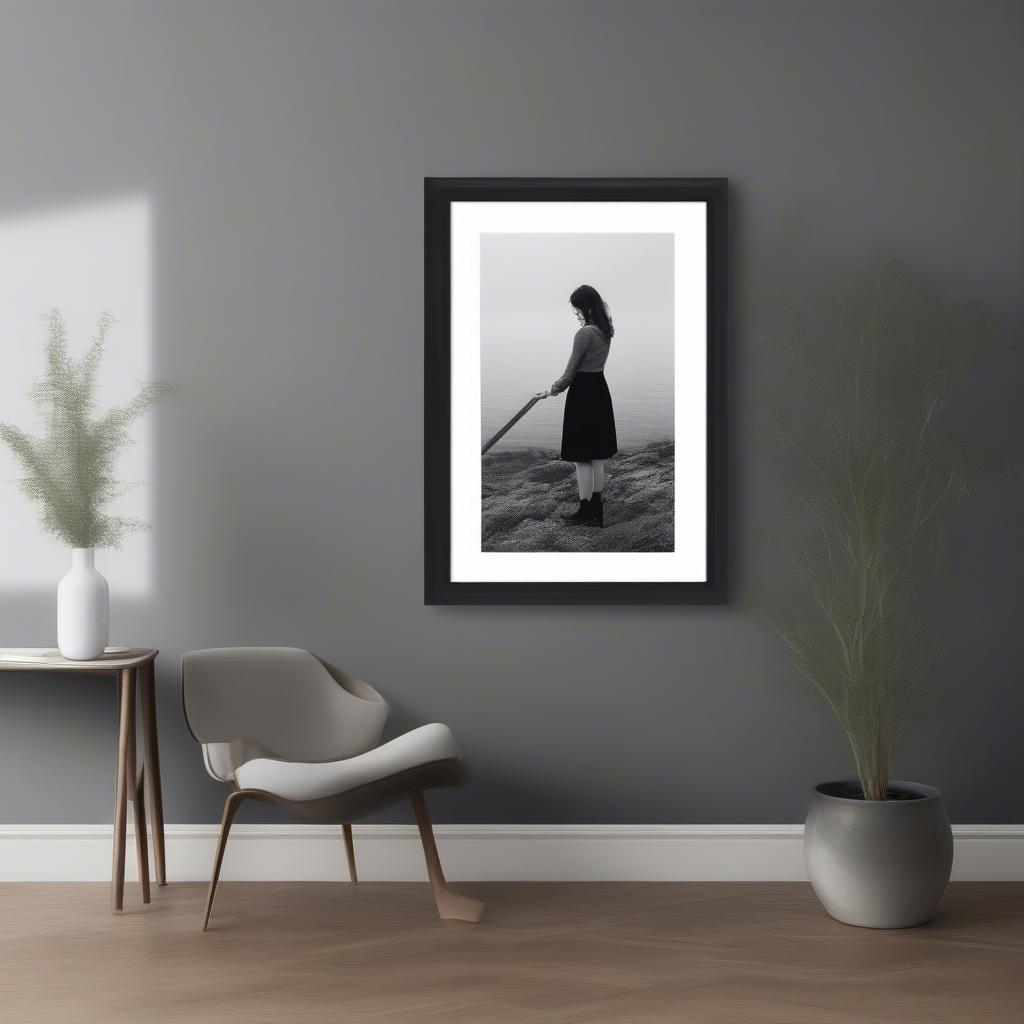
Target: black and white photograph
point(574, 389)
point(587, 463)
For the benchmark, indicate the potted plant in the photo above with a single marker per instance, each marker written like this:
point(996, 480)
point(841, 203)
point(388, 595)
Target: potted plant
point(71, 474)
point(874, 472)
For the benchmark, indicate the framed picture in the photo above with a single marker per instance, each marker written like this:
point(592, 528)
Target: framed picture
point(574, 390)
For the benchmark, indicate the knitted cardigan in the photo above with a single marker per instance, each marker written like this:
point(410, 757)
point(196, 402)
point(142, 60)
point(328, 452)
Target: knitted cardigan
point(589, 354)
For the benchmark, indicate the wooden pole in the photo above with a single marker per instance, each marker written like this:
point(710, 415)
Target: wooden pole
point(511, 423)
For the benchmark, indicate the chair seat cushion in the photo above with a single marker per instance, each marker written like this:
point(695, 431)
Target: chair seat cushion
point(301, 780)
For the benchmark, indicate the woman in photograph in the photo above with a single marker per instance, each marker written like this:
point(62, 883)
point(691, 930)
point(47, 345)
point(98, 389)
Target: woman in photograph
point(588, 425)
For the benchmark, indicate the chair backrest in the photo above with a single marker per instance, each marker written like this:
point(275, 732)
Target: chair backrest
point(283, 701)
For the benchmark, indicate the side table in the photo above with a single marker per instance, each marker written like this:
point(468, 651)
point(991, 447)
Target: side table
point(132, 667)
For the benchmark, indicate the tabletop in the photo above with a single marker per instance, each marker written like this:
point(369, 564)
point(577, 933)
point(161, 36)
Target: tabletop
point(49, 659)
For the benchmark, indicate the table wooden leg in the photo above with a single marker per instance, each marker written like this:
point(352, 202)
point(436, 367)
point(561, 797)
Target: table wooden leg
point(125, 738)
point(152, 768)
point(137, 796)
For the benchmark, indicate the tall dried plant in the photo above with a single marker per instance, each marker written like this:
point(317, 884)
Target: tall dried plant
point(71, 468)
point(874, 471)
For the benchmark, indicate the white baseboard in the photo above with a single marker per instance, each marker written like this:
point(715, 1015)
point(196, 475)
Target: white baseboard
point(535, 853)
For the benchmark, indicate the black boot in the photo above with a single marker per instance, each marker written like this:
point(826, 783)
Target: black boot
point(596, 511)
point(583, 515)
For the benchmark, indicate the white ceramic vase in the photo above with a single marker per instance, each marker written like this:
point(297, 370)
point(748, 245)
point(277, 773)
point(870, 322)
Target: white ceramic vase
point(82, 609)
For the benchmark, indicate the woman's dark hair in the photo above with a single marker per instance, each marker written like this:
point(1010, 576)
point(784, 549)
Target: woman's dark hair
point(594, 309)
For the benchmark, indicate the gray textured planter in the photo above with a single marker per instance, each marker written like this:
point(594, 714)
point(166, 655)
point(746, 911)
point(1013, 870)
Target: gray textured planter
point(878, 863)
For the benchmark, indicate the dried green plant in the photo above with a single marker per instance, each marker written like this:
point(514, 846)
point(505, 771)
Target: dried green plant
point(874, 470)
point(71, 468)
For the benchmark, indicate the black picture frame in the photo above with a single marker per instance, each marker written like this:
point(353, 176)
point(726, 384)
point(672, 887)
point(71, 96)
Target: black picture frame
point(439, 194)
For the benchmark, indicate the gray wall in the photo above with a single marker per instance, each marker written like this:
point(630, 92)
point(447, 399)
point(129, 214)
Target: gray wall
point(284, 147)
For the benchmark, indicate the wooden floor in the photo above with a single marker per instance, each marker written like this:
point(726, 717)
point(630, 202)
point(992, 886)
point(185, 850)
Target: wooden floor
point(582, 953)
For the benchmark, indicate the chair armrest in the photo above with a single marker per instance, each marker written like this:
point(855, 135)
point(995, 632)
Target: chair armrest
point(222, 758)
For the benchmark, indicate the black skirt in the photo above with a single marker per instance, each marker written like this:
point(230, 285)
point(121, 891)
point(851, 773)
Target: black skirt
point(588, 426)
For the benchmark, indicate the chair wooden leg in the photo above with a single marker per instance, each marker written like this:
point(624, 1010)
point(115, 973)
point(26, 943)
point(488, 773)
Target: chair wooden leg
point(125, 740)
point(450, 905)
point(230, 807)
point(350, 850)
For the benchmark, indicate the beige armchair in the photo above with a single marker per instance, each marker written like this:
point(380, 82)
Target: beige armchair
point(285, 727)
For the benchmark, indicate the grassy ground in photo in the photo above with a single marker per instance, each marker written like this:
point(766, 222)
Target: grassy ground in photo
point(526, 491)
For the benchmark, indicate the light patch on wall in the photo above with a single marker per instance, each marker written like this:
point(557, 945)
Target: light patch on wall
point(82, 259)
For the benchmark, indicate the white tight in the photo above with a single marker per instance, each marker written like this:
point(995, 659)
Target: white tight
point(590, 476)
